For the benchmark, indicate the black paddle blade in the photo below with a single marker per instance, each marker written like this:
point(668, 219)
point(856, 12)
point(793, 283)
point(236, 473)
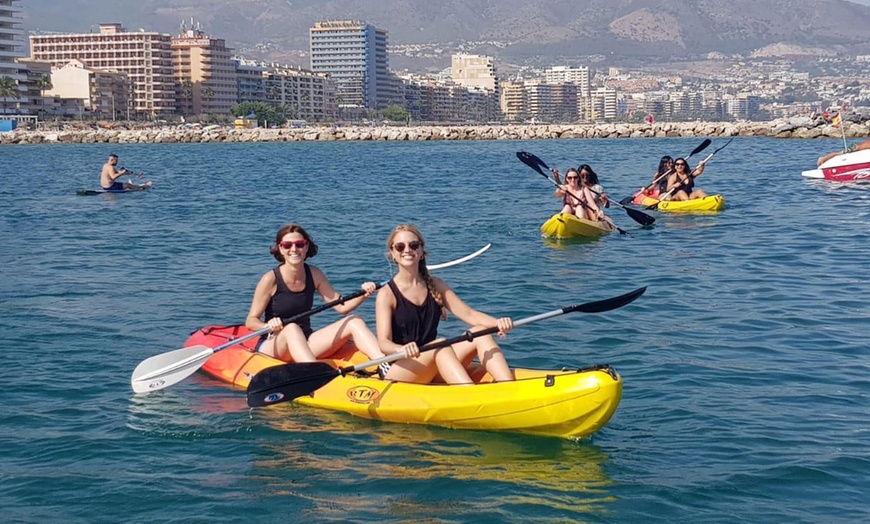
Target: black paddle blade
point(608, 303)
point(288, 381)
point(627, 200)
point(701, 147)
point(533, 162)
point(640, 217)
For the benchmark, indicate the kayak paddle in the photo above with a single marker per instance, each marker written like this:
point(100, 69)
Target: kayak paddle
point(286, 382)
point(536, 163)
point(166, 369)
point(662, 197)
point(701, 147)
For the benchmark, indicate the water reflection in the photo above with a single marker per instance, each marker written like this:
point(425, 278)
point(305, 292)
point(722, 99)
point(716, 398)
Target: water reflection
point(410, 461)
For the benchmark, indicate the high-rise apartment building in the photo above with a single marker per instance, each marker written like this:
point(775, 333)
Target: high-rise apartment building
point(601, 104)
point(205, 73)
point(354, 54)
point(513, 100)
point(146, 58)
point(10, 44)
point(578, 76)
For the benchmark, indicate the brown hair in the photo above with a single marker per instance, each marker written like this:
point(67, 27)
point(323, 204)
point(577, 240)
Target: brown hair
point(424, 271)
point(292, 228)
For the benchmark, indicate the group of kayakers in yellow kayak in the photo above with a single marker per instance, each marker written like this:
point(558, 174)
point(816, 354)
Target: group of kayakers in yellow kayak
point(583, 196)
point(408, 311)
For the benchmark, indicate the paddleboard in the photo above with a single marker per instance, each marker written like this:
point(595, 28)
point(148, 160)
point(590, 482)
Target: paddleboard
point(85, 192)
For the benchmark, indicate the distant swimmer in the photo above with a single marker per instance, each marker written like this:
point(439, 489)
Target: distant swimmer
point(110, 175)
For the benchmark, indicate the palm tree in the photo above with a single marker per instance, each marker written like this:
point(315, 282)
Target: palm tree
point(208, 94)
point(43, 83)
point(8, 89)
point(186, 95)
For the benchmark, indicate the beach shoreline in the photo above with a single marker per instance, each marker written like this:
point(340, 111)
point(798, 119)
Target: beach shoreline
point(796, 127)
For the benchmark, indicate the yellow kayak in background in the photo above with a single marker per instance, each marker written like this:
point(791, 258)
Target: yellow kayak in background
point(708, 204)
point(566, 225)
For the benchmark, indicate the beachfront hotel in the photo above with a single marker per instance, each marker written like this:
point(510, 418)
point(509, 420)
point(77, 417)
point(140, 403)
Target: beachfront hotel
point(354, 54)
point(205, 73)
point(145, 57)
point(10, 37)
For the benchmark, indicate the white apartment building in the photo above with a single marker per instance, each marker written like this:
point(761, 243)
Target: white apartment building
point(578, 76)
point(601, 104)
point(146, 58)
point(100, 93)
point(474, 71)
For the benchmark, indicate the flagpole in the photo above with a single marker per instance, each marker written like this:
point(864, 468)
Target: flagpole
point(843, 127)
point(843, 130)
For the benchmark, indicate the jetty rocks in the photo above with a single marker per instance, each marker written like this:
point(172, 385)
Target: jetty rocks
point(796, 127)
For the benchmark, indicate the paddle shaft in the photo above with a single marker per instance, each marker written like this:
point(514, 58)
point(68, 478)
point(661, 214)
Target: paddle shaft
point(465, 337)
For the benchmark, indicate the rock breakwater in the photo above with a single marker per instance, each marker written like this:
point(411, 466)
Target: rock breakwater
point(798, 127)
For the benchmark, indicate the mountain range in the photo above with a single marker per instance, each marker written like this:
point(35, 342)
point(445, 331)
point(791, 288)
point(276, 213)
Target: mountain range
point(518, 31)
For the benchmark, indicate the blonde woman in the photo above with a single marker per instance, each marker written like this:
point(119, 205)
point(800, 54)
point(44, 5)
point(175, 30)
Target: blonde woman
point(409, 309)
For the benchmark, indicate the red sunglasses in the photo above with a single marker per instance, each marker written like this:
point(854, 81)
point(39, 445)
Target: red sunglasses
point(287, 244)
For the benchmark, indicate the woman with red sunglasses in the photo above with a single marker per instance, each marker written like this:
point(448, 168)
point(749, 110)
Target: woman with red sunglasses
point(409, 309)
point(288, 290)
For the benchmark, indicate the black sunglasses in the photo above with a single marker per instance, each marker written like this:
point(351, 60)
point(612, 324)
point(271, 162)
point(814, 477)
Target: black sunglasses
point(400, 246)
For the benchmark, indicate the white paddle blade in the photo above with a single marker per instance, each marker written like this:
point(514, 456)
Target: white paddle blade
point(166, 369)
point(458, 261)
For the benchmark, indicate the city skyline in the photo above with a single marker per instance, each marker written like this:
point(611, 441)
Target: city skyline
point(516, 33)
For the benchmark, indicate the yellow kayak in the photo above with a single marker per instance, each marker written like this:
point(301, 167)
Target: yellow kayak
point(560, 403)
point(708, 204)
point(566, 225)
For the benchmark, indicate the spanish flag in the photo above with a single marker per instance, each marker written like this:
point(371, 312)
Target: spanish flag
point(836, 120)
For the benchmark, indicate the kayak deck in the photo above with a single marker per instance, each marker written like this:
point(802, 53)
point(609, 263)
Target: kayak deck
point(567, 403)
point(566, 225)
point(708, 204)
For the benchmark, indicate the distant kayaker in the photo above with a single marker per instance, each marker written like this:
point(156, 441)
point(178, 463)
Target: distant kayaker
point(288, 290)
point(577, 199)
point(851, 149)
point(681, 183)
point(110, 174)
point(409, 309)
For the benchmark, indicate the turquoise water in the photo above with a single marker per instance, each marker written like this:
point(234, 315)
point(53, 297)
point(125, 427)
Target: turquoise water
point(745, 364)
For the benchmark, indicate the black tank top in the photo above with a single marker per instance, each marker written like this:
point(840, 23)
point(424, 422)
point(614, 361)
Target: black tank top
point(413, 323)
point(285, 303)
